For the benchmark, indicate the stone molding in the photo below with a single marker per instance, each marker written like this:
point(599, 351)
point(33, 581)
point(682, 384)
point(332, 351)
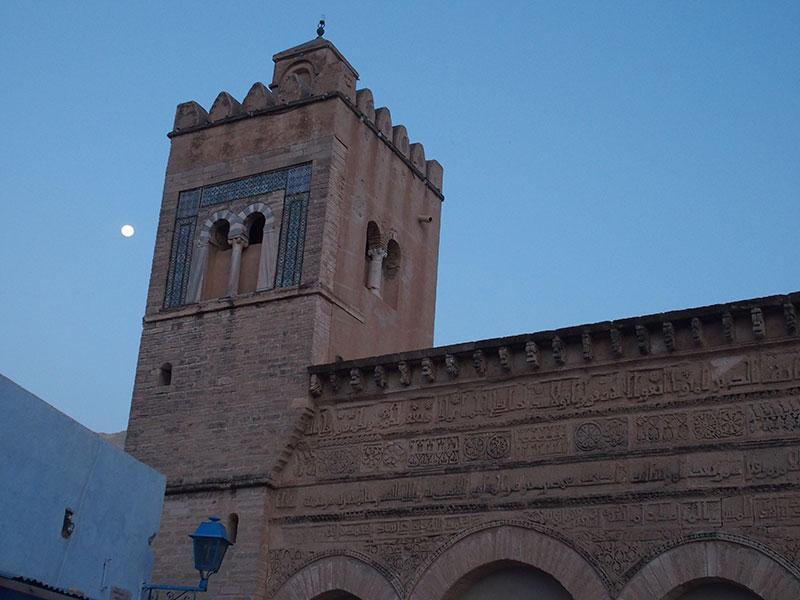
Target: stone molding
point(667, 335)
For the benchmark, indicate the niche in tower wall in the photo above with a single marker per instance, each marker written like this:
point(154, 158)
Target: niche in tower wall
point(296, 183)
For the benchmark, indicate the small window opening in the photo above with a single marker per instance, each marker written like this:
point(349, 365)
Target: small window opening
point(165, 374)
point(219, 234)
point(68, 525)
point(391, 264)
point(233, 527)
point(256, 232)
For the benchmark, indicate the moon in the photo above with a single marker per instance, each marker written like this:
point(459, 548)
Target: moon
point(127, 230)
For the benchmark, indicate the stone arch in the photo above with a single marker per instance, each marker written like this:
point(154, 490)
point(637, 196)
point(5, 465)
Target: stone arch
point(504, 543)
point(236, 222)
point(259, 262)
point(297, 81)
point(714, 557)
point(197, 273)
point(349, 574)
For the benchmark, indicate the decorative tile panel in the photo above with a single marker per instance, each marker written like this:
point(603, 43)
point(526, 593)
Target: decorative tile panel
point(263, 183)
point(189, 203)
point(293, 235)
point(181, 259)
point(296, 181)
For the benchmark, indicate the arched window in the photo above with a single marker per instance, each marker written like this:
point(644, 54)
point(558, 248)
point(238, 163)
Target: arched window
point(215, 282)
point(251, 256)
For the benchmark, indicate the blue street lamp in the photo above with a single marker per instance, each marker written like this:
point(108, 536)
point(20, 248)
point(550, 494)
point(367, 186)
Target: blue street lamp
point(210, 542)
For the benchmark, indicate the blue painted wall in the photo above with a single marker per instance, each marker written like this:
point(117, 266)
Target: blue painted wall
point(48, 463)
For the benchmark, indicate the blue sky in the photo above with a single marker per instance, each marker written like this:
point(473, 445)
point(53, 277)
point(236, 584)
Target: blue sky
point(602, 159)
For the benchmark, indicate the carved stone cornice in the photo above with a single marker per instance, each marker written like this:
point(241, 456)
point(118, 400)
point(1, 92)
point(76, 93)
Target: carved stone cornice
point(669, 335)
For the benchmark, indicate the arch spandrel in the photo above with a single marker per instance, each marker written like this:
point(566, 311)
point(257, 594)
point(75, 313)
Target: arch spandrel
point(724, 558)
point(342, 574)
point(500, 543)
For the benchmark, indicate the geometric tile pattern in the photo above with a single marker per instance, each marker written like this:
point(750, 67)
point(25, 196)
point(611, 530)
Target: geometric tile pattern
point(296, 181)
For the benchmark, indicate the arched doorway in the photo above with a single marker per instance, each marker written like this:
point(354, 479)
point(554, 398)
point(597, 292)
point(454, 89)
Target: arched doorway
point(508, 581)
point(715, 590)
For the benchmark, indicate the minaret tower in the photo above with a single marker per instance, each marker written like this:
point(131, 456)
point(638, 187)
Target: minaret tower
point(296, 227)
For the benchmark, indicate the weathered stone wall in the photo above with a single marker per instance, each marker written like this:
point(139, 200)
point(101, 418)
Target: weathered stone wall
point(607, 447)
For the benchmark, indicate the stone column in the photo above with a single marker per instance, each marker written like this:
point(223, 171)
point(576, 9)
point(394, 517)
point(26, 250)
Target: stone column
point(197, 271)
point(238, 244)
point(376, 256)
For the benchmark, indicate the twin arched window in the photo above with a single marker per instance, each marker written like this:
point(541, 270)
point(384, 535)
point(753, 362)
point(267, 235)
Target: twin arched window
point(382, 265)
point(236, 254)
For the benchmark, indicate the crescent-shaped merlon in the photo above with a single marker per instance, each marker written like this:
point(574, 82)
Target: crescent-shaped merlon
point(417, 155)
point(383, 121)
point(189, 115)
point(258, 98)
point(400, 138)
point(225, 107)
point(366, 104)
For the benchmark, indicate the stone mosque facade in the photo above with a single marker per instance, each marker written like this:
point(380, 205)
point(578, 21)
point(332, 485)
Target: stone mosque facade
point(287, 383)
